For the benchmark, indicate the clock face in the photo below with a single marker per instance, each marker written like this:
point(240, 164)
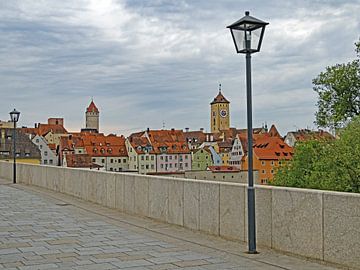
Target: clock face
point(223, 113)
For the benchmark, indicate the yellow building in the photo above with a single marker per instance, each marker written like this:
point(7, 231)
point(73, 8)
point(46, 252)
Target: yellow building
point(220, 113)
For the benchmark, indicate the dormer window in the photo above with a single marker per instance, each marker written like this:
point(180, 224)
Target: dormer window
point(102, 150)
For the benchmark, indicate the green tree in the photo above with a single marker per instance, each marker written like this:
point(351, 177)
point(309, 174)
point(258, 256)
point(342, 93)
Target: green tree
point(338, 89)
point(330, 165)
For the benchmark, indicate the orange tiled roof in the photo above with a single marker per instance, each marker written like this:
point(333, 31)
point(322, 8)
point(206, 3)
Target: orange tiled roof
point(160, 141)
point(273, 148)
point(102, 146)
point(92, 107)
point(52, 146)
point(140, 144)
point(168, 141)
point(80, 161)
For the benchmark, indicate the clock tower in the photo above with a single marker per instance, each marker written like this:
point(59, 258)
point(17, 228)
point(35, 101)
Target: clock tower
point(220, 113)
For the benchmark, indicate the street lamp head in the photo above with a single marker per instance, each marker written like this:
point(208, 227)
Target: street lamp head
point(247, 33)
point(14, 116)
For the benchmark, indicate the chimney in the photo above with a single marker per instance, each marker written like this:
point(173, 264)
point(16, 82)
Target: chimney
point(173, 129)
point(186, 129)
point(201, 129)
point(207, 137)
point(35, 125)
point(148, 129)
point(211, 138)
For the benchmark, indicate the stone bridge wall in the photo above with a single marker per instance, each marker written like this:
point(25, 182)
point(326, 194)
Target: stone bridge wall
point(316, 224)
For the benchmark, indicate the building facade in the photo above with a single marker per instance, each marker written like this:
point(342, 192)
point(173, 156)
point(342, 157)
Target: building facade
point(26, 151)
point(48, 157)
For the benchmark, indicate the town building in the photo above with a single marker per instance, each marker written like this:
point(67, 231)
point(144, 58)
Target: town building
point(26, 151)
point(52, 131)
point(6, 124)
point(48, 155)
point(269, 153)
point(142, 157)
point(302, 135)
point(201, 159)
point(106, 152)
point(92, 116)
point(220, 113)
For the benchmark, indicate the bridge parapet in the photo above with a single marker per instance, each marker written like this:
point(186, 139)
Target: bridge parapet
point(317, 224)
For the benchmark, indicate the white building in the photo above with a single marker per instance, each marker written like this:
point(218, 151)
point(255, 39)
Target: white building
point(48, 157)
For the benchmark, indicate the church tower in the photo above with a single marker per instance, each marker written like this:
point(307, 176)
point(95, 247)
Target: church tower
point(92, 117)
point(220, 113)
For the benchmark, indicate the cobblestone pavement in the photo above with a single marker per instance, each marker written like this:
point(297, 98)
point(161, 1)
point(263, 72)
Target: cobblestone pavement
point(42, 232)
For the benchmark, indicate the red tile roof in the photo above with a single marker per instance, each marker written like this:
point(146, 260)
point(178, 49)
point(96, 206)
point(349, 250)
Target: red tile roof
point(92, 107)
point(160, 141)
point(273, 148)
point(219, 99)
point(80, 161)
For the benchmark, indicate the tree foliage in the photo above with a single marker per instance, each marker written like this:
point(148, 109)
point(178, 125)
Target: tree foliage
point(338, 89)
point(330, 165)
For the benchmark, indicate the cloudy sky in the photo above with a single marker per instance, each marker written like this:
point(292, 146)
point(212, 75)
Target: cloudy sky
point(149, 62)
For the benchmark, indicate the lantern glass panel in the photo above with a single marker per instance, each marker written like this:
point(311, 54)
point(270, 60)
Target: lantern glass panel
point(239, 38)
point(255, 39)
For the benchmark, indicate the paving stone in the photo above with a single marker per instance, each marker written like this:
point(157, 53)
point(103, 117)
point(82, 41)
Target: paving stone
point(35, 233)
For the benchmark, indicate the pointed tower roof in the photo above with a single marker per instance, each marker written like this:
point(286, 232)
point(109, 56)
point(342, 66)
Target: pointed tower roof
point(219, 98)
point(92, 107)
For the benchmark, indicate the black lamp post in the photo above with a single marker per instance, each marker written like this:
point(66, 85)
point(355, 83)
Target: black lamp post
point(247, 34)
point(14, 116)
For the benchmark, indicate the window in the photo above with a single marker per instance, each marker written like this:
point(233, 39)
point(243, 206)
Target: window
point(162, 166)
point(170, 165)
point(142, 157)
point(111, 169)
point(161, 158)
point(45, 153)
point(272, 163)
point(147, 157)
point(263, 171)
point(37, 140)
point(40, 146)
point(272, 171)
point(51, 161)
point(152, 157)
point(186, 156)
point(142, 166)
point(147, 167)
point(263, 163)
point(119, 160)
point(45, 161)
point(103, 160)
point(152, 166)
point(186, 164)
point(124, 160)
point(111, 160)
point(175, 165)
